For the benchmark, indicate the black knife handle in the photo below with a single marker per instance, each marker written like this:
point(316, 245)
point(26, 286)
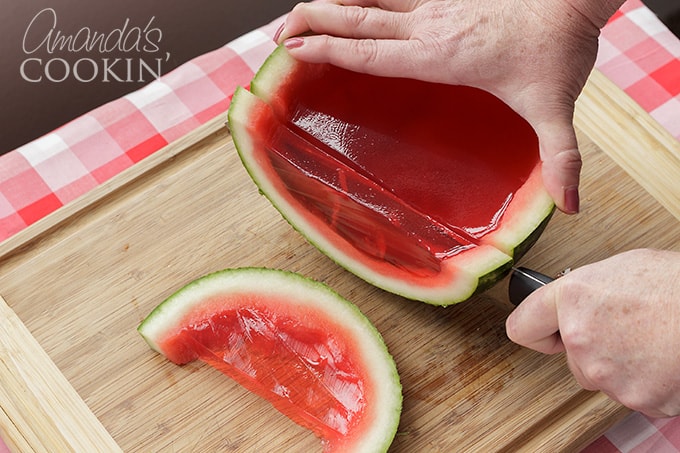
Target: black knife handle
point(523, 282)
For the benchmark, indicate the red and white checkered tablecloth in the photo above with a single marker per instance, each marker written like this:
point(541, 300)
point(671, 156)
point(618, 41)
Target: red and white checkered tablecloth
point(42, 176)
point(637, 52)
point(640, 55)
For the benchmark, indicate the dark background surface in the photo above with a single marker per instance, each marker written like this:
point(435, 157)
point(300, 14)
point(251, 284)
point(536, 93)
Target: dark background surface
point(668, 11)
point(31, 109)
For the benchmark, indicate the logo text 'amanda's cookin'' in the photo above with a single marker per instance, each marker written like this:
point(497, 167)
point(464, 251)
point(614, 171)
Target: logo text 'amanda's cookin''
point(86, 55)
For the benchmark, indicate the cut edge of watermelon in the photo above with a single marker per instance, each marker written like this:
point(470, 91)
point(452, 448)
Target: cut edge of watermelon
point(518, 233)
point(368, 343)
point(459, 279)
point(521, 230)
point(279, 65)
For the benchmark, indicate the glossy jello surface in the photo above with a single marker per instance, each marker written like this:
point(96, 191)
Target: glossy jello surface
point(305, 371)
point(408, 171)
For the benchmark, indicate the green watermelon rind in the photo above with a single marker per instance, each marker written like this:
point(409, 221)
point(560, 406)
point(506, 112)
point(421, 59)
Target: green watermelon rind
point(273, 73)
point(372, 351)
point(489, 280)
point(520, 250)
point(477, 274)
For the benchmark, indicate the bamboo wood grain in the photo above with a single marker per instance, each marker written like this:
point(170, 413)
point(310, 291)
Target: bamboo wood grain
point(82, 280)
point(67, 213)
point(41, 411)
point(632, 138)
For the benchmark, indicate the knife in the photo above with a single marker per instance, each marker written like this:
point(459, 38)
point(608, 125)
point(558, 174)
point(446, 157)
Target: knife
point(523, 282)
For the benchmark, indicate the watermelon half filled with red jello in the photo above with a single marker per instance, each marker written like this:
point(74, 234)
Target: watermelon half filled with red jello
point(426, 190)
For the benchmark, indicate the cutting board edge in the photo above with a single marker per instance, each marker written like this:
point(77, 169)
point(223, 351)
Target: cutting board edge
point(48, 415)
point(16, 243)
point(17, 434)
point(624, 130)
point(590, 415)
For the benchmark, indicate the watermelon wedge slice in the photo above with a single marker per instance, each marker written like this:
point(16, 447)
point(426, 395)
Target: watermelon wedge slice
point(292, 341)
point(426, 190)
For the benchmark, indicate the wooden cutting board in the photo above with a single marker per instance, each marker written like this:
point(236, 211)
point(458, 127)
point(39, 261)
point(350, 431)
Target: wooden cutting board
point(77, 284)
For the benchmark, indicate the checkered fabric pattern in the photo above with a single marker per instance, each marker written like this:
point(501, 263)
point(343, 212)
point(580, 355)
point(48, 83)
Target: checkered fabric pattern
point(639, 434)
point(38, 178)
point(637, 52)
point(640, 55)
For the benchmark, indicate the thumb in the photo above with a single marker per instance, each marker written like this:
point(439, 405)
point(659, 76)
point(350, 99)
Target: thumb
point(534, 323)
point(561, 162)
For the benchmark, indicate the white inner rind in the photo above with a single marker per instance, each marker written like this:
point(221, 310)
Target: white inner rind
point(459, 277)
point(382, 414)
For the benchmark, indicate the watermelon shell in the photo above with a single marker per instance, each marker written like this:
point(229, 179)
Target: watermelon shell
point(303, 336)
point(293, 155)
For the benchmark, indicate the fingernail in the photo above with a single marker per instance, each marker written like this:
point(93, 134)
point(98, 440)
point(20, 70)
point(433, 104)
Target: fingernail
point(571, 200)
point(277, 35)
point(292, 43)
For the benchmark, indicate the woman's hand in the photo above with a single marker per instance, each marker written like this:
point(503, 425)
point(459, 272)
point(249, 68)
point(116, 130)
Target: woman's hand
point(535, 55)
point(618, 322)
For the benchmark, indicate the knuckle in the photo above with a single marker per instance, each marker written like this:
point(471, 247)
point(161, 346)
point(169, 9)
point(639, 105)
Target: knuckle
point(368, 52)
point(299, 7)
point(598, 376)
point(354, 54)
point(569, 158)
point(298, 10)
point(355, 16)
